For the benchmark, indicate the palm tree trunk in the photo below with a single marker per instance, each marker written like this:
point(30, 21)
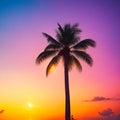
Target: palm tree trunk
point(67, 92)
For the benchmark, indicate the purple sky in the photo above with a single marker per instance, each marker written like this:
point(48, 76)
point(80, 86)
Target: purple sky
point(21, 25)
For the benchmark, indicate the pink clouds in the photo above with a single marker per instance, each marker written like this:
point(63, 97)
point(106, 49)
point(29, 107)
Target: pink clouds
point(101, 98)
point(108, 114)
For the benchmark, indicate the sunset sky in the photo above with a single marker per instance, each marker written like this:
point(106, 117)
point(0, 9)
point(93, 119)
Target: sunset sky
point(25, 91)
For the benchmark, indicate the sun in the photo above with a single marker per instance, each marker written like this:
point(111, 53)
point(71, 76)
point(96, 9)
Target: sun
point(30, 105)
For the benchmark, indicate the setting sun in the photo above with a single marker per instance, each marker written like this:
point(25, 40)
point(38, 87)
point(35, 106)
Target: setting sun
point(30, 105)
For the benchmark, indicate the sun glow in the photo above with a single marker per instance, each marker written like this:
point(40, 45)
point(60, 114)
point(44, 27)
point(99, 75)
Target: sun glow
point(30, 105)
point(52, 68)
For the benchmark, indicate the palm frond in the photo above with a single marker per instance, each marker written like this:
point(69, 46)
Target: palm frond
point(85, 44)
point(74, 40)
point(53, 63)
point(59, 37)
point(60, 29)
point(68, 34)
point(75, 28)
point(83, 55)
point(76, 62)
point(60, 34)
point(52, 47)
point(51, 39)
point(44, 55)
point(67, 27)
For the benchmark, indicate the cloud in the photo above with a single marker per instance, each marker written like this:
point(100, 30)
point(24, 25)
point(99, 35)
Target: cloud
point(118, 117)
point(106, 113)
point(101, 98)
point(117, 99)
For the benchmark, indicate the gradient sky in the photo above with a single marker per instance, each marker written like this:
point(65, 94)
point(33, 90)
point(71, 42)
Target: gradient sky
point(22, 81)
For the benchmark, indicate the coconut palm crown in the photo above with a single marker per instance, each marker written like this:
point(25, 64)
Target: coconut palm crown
point(68, 47)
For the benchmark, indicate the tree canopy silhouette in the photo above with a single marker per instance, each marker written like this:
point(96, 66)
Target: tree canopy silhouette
point(68, 47)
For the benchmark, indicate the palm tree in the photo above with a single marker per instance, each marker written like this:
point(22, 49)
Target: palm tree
point(68, 47)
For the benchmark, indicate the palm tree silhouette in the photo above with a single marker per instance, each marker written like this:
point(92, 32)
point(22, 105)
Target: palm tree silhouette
point(68, 47)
